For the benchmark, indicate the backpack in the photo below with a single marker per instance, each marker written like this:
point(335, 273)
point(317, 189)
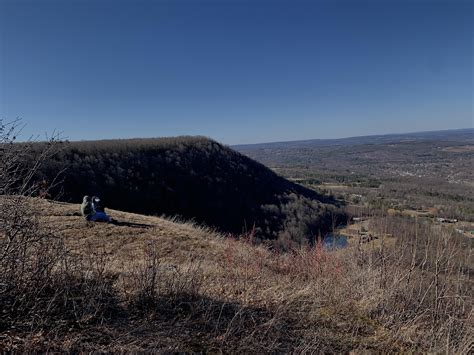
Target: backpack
point(87, 207)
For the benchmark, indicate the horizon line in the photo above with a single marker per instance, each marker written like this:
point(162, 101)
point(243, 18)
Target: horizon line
point(361, 136)
point(272, 142)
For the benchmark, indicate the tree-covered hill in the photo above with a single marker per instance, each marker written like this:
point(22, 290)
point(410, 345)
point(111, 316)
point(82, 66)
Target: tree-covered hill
point(193, 177)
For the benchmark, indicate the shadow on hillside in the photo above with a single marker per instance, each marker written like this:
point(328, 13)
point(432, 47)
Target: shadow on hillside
point(115, 222)
point(178, 322)
point(130, 224)
point(201, 323)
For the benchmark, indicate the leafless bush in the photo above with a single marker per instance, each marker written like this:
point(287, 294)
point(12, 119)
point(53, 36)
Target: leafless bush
point(44, 286)
point(20, 161)
point(41, 283)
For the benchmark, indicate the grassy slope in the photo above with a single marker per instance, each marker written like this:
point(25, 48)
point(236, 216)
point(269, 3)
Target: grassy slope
point(247, 298)
point(251, 299)
point(124, 242)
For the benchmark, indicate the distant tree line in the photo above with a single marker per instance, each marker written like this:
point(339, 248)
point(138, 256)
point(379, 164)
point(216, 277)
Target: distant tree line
point(195, 178)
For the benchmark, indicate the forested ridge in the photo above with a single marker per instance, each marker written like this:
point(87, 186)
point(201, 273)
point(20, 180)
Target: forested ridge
point(194, 178)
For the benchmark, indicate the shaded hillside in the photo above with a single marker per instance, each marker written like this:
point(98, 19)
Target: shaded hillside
point(195, 178)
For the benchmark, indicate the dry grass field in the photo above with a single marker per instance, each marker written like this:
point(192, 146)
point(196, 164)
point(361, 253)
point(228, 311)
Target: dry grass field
point(152, 284)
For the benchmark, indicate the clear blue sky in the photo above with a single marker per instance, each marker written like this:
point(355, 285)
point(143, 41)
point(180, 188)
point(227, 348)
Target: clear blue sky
point(237, 71)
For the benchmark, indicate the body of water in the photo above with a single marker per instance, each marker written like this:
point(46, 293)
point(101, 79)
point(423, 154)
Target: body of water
point(331, 241)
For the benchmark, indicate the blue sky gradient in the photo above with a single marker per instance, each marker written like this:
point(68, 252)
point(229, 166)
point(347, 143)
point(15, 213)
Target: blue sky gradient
point(237, 71)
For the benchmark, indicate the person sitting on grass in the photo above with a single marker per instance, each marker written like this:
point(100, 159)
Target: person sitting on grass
point(93, 211)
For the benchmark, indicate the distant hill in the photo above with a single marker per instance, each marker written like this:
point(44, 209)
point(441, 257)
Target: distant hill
point(195, 178)
point(445, 156)
point(465, 135)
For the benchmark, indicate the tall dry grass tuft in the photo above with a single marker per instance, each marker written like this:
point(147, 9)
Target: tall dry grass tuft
point(154, 282)
point(426, 284)
point(180, 299)
point(412, 292)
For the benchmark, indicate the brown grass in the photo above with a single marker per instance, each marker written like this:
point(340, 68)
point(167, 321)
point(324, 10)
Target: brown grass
point(181, 287)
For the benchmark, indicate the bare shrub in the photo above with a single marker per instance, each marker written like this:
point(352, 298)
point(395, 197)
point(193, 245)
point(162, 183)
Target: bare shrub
point(42, 284)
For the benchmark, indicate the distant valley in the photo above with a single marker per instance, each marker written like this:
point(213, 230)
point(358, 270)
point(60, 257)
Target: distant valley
point(403, 171)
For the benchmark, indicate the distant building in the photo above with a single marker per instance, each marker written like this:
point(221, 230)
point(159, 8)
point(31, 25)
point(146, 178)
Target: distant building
point(446, 220)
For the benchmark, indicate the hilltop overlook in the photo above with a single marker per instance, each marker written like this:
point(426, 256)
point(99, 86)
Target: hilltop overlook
point(248, 177)
point(193, 178)
point(154, 284)
point(148, 283)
